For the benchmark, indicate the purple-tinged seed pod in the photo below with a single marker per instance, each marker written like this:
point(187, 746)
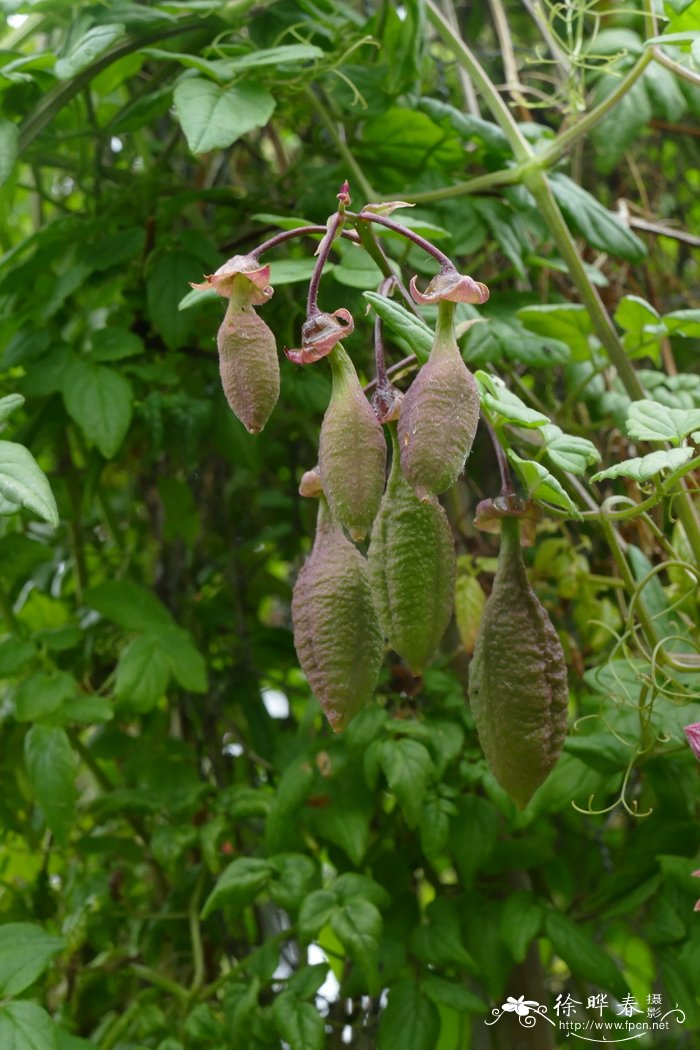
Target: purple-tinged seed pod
point(517, 678)
point(412, 565)
point(352, 450)
point(439, 414)
point(248, 363)
point(336, 626)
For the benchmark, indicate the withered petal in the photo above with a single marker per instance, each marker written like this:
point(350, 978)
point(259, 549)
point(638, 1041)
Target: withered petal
point(319, 334)
point(452, 286)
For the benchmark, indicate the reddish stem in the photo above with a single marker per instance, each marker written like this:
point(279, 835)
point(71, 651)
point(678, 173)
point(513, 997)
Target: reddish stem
point(507, 489)
point(300, 231)
point(427, 246)
point(334, 227)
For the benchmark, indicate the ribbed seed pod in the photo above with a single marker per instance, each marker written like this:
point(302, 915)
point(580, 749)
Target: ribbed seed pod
point(439, 414)
point(248, 364)
point(412, 566)
point(352, 450)
point(517, 678)
point(336, 627)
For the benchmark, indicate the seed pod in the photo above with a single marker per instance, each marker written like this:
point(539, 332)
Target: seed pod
point(352, 450)
point(248, 363)
point(412, 565)
point(439, 414)
point(336, 627)
point(517, 679)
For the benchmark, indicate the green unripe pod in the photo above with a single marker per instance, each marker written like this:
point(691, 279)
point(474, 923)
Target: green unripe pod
point(412, 565)
point(439, 414)
point(352, 450)
point(248, 363)
point(517, 678)
point(336, 626)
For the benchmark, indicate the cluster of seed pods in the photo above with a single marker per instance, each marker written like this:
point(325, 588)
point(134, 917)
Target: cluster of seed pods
point(382, 569)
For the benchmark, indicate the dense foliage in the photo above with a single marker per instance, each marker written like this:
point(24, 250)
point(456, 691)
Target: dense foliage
point(189, 857)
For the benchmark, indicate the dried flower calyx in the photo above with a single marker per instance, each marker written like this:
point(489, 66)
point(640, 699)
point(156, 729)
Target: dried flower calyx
point(450, 286)
point(319, 334)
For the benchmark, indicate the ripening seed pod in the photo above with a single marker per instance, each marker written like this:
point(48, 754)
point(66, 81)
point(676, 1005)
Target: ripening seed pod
point(412, 565)
point(517, 678)
point(352, 450)
point(336, 627)
point(248, 364)
point(439, 414)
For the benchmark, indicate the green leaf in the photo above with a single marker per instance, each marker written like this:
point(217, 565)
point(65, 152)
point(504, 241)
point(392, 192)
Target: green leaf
point(114, 344)
point(9, 134)
point(633, 313)
point(497, 339)
point(521, 918)
point(416, 334)
point(43, 693)
point(567, 451)
point(129, 605)
point(683, 322)
point(346, 819)
point(86, 710)
point(299, 1024)
point(168, 276)
point(409, 1020)
point(213, 117)
point(664, 92)
point(306, 981)
point(9, 404)
point(95, 42)
point(73, 1042)
point(645, 467)
point(197, 296)
point(295, 875)
point(352, 884)
point(25, 1026)
point(466, 125)
point(358, 926)
point(440, 942)
point(500, 405)
point(408, 768)
point(25, 952)
point(456, 996)
point(621, 127)
point(51, 767)
point(541, 485)
point(435, 820)
point(100, 401)
point(186, 663)
point(408, 141)
point(15, 654)
point(292, 271)
point(650, 421)
point(285, 54)
point(315, 912)
point(576, 947)
point(142, 673)
point(23, 482)
point(238, 885)
point(593, 221)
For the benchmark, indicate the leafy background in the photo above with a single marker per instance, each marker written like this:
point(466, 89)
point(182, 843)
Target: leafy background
point(188, 858)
